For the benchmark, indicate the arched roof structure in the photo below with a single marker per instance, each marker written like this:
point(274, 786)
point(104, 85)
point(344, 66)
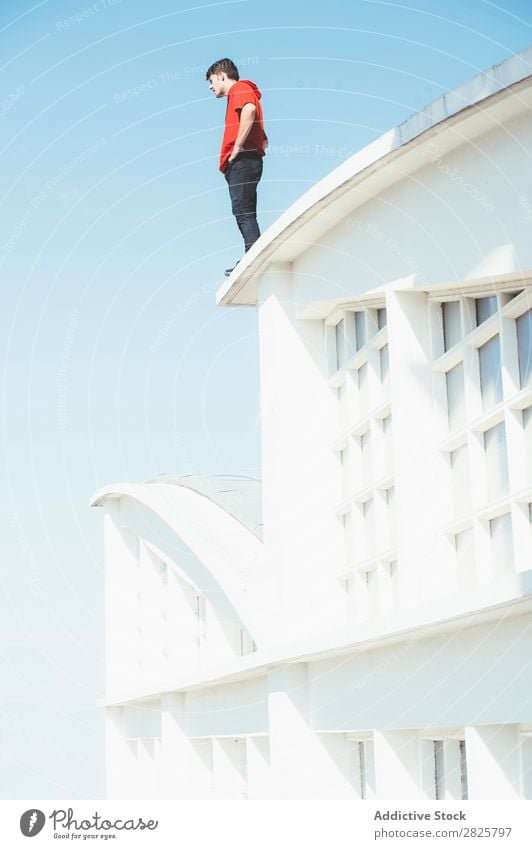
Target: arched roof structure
point(218, 520)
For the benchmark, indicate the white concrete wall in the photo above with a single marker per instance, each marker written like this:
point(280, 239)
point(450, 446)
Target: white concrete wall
point(302, 536)
point(467, 677)
point(427, 224)
point(295, 733)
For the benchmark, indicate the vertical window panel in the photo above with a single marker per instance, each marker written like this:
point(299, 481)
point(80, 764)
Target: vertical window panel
point(365, 451)
point(388, 445)
point(496, 461)
point(384, 362)
point(455, 397)
point(340, 344)
point(348, 536)
point(439, 770)
point(360, 329)
point(463, 770)
point(363, 389)
point(394, 581)
point(452, 327)
point(361, 768)
point(484, 308)
point(490, 373)
point(390, 502)
point(524, 333)
point(381, 318)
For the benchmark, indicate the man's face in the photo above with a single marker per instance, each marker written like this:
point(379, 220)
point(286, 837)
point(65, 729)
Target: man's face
point(217, 84)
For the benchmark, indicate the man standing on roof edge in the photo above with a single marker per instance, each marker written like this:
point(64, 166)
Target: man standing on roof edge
point(243, 145)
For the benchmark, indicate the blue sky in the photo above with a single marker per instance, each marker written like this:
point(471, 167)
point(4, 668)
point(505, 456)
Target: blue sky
point(115, 230)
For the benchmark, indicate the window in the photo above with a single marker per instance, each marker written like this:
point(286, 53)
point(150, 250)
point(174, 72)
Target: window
point(524, 333)
point(381, 318)
point(452, 327)
point(360, 330)
point(449, 769)
point(361, 762)
point(439, 769)
point(390, 502)
point(394, 583)
point(362, 375)
point(340, 344)
point(365, 451)
point(490, 373)
point(496, 461)
point(342, 400)
point(455, 396)
point(385, 363)
point(463, 770)
point(484, 308)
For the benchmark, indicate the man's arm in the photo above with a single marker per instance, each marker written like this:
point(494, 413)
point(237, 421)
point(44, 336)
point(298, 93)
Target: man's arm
point(247, 118)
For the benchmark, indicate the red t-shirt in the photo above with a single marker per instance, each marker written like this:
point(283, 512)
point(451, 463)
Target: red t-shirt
point(242, 92)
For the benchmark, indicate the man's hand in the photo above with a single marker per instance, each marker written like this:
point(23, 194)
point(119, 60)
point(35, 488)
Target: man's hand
point(247, 117)
point(234, 153)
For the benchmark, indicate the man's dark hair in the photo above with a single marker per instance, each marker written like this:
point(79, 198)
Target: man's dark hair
point(225, 65)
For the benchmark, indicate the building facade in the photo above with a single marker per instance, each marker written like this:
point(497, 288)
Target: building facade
point(360, 628)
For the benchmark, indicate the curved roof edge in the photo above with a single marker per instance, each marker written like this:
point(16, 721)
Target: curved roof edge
point(239, 496)
point(511, 72)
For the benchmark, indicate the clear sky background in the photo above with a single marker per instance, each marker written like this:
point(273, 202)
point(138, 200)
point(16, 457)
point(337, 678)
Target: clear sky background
point(115, 231)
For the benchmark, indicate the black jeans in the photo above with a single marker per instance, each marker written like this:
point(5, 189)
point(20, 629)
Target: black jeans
point(242, 177)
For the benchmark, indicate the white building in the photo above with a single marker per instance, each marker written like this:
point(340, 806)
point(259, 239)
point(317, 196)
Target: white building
point(377, 643)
